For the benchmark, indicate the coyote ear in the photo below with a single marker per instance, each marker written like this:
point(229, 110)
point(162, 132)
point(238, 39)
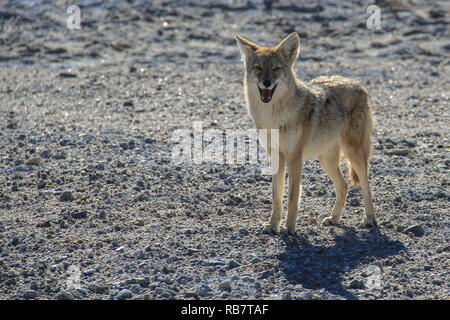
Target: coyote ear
point(247, 47)
point(290, 46)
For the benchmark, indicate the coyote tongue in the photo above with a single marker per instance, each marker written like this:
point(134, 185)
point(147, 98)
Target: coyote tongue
point(265, 94)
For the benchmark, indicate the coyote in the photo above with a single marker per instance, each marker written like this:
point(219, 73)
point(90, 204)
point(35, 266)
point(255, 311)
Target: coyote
point(323, 119)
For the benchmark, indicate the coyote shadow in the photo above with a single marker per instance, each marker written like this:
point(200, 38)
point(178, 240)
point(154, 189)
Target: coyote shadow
point(321, 267)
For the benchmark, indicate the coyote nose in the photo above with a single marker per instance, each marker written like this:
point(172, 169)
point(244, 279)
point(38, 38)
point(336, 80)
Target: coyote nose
point(267, 83)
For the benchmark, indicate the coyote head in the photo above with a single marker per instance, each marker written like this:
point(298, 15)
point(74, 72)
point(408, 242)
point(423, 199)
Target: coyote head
point(269, 68)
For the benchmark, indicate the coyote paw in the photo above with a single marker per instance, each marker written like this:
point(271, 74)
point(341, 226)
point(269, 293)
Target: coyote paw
point(369, 222)
point(288, 230)
point(269, 228)
point(329, 221)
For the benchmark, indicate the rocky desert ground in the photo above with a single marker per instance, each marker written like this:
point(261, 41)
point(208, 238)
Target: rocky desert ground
point(92, 205)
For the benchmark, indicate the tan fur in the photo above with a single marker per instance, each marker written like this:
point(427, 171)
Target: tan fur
point(322, 119)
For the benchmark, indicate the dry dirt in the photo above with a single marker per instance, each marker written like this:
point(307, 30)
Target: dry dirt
point(93, 207)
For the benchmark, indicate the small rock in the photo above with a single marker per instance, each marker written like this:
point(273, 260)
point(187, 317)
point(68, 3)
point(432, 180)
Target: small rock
point(128, 104)
point(356, 284)
point(143, 197)
point(89, 272)
point(143, 282)
point(168, 294)
point(416, 230)
point(354, 202)
point(12, 125)
point(15, 240)
point(203, 290)
point(79, 215)
point(287, 295)
point(398, 152)
point(33, 162)
point(60, 155)
point(99, 288)
point(410, 143)
point(135, 288)
point(310, 296)
point(13, 274)
point(79, 293)
point(46, 154)
point(30, 294)
point(33, 285)
point(225, 285)
point(437, 282)
point(248, 279)
point(124, 294)
point(64, 295)
point(265, 274)
point(41, 184)
point(233, 264)
point(189, 293)
point(68, 74)
point(243, 232)
point(66, 196)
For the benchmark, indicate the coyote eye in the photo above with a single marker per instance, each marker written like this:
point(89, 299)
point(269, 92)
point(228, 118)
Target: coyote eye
point(259, 68)
point(276, 68)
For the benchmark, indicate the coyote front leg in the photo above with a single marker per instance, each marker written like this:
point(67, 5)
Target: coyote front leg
point(277, 197)
point(295, 176)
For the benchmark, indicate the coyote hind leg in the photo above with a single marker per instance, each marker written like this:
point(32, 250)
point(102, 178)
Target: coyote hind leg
point(360, 164)
point(330, 163)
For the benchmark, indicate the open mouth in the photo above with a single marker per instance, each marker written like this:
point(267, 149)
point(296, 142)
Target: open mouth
point(266, 93)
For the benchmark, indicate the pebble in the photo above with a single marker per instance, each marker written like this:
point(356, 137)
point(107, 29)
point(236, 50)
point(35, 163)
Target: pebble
point(168, 294)
point(33, 162)
point(135, 288)
point(203, 290)
point(99, 288)
point(143, 281)
point(287, 295)
point(79, 215)
point(248, 279)
point(68, 74)
point(80, 292)
point(64, 295)
point(310, 296)
point(13, 274)
point(60, 156)
point(233, 264)
point(89, 272)
point(46, 154)
point(243, 232)
point(124, 294)
point(15, 240)
point(66, 196)
point(416, 230)
point(225, 285)
point(41, 184)
point(356, 284)
point(33, 285)
point(354, 202)
point(265, 274)
point(30, 294)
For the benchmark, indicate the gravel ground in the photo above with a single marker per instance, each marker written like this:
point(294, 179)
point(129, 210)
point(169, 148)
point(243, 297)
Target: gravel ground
point(93, 207)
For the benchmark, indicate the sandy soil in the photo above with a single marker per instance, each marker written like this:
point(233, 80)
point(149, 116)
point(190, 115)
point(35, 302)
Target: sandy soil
point(93, 207)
